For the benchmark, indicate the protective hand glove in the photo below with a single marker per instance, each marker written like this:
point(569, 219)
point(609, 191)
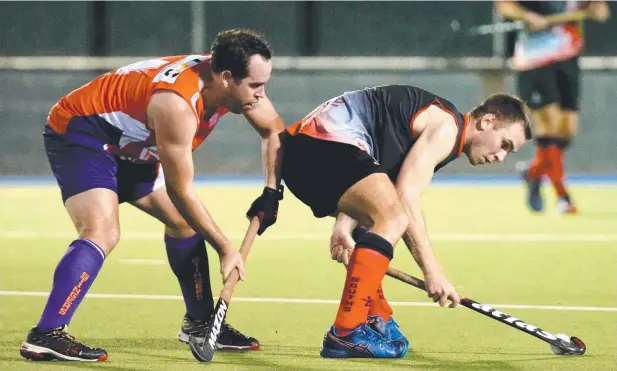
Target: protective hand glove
point(266, 207)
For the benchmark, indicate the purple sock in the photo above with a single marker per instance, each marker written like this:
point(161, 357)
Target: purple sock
point(73, 277)
point(189, 262)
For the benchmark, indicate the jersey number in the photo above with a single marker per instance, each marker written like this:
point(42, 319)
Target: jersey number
point(170, 73)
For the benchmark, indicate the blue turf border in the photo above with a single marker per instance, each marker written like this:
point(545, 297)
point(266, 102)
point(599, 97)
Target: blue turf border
point(256, 180)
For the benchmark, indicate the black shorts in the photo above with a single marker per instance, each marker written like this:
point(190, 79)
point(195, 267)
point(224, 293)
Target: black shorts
point(556, 83)
point(318, 172)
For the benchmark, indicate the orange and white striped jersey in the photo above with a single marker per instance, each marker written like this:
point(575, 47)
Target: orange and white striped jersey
point(118, 100)
point(558, 43)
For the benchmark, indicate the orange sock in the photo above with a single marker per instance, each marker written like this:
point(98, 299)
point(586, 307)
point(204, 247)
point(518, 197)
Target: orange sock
point(555, 171)
point(365, 272)
point(540, 163)
point(380, 306)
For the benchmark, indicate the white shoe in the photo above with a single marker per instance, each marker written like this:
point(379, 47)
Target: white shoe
point(565, 207)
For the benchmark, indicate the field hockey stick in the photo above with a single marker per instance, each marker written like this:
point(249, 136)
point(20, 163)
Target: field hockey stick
point(489, 29)
point(204, 352)
point(560, 344)
point(502, 27)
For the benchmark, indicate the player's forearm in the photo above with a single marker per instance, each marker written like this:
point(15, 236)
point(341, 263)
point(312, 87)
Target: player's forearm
point(512, 10)
point(198, 217)
point(272, 159)
point(574, 16)
point(416, 238)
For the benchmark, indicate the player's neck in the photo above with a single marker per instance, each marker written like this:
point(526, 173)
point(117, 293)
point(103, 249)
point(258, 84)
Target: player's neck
point(210, 91)
point(470, 131)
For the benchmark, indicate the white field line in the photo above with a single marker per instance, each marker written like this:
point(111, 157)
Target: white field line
point(472, 237)
point(311, 301)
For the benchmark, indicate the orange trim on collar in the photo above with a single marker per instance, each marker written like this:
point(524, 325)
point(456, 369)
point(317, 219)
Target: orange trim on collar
point(465, 124)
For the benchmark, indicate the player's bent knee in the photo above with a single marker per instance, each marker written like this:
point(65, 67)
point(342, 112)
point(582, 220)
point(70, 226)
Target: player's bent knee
point(176, 226)
point(373, 241)
point(179, 230)
point(106, 239)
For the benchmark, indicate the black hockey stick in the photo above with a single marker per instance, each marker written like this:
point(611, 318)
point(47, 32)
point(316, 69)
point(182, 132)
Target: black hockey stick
point(204, 352)
point(560, 344)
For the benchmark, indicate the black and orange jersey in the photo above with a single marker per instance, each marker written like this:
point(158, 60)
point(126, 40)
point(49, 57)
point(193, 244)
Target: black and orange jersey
point(379, 120)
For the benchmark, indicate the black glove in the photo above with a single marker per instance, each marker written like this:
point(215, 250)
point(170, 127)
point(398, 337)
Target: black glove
point(266, 208)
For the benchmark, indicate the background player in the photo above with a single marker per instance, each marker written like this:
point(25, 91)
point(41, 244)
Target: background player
point(368, 155)
point(112, 140)
point(546, 56)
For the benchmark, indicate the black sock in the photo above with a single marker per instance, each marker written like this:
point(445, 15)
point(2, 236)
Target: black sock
point(545, 142)
point(189, 261)
point(563, 143)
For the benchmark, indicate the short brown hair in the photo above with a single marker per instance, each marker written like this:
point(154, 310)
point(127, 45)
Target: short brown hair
point(232, 49)
point(506, 107)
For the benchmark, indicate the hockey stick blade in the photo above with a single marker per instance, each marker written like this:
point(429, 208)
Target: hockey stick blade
point(572, 346)
point(559, 345)
point(204, 352)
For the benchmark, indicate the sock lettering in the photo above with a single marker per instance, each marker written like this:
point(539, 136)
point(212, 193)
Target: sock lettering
point(73, 294)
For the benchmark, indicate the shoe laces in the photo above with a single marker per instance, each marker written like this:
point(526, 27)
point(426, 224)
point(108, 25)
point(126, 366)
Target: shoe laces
point(372, 335)
point(195, 325)
point(201, 325)
point(227, 327)
point(62, 335)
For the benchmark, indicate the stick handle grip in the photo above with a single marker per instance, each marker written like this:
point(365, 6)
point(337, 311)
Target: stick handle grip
point(404, 277)
point(232, 279)
point(418, 283)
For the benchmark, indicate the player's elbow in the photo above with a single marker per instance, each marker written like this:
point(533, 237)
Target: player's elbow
point(273, 131)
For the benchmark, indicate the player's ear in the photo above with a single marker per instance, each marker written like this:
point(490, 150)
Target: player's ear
point(487, 121)
point(226, 78)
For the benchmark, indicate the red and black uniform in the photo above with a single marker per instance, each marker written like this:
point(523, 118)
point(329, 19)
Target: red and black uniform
point(354, 135)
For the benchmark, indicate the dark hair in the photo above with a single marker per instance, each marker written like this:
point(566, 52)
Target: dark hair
point(507, 108)
point(232, 49)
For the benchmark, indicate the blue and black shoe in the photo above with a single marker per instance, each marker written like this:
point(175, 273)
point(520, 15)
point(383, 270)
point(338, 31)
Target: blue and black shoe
point(362, 342)
point(388, 330)
point(534, 198)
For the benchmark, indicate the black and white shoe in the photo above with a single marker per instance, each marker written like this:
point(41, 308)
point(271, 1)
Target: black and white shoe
point(229, 338)
point(58, 345)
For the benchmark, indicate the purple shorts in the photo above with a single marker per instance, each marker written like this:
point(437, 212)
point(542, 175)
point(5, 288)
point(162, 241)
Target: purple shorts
point(80, 162)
